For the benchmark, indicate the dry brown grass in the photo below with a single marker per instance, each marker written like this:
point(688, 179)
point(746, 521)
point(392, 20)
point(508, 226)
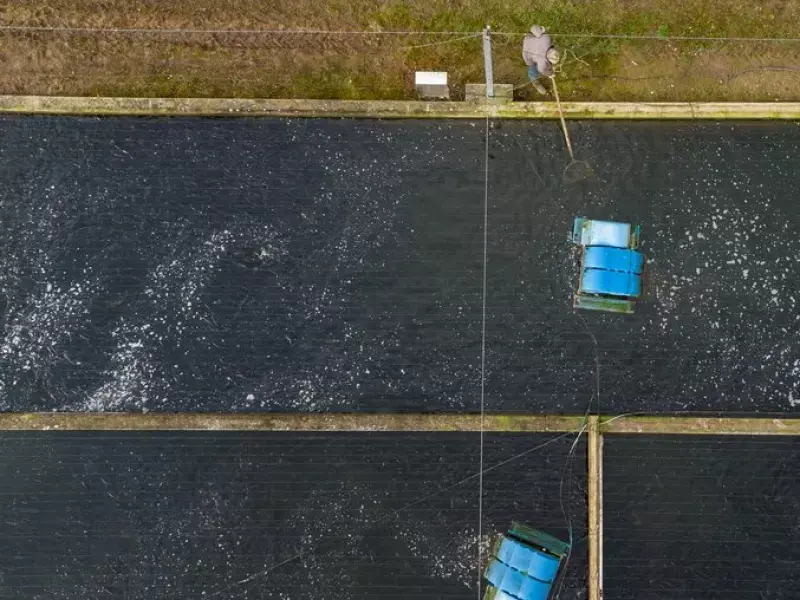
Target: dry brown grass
point(382, 66)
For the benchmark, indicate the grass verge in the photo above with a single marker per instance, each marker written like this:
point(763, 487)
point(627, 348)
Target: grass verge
point(381, 66)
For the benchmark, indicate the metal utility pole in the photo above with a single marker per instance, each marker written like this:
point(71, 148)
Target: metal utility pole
point(487, 62)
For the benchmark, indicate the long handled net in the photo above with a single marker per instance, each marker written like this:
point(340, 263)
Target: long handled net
point(577, 170)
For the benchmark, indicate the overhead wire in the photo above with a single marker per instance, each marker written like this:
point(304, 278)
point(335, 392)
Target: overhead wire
point(567, 471)
point(566, 474)
point(483, 340)
point(663, 38)
point(392, 514)
point(458, 39)
point(181, 31)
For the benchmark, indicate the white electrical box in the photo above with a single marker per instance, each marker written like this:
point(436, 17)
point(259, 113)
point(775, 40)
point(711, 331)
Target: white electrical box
point(432, 85)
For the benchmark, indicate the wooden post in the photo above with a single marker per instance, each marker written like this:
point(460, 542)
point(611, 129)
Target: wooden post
point(595, 489)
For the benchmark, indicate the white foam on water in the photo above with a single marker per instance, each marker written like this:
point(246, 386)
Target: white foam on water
point(733, 244)
point(38, 329)
point(137, 379)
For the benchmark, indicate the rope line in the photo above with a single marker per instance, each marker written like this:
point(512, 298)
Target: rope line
point(454, 40)
point(667, 38)
point(173, 31)
point(483, 343)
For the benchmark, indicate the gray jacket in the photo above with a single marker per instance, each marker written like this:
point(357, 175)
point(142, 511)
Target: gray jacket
point(534, 51)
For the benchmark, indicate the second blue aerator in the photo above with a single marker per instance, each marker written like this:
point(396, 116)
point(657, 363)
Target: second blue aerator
point(524, 564)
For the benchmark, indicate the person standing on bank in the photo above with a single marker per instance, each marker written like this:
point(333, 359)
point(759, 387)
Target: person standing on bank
point(540, 55)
